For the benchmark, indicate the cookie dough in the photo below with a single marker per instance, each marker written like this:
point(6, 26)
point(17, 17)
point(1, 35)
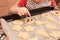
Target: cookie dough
point(17, 27)
point(50, 26)
point(48, 17)
point(29, 20)
point(24, 35)
point(29, 28)
point(38, 22)
point(35, 38)
point(42, 32)
point(18, 22)
point(55, 34)
point(56, 13)
point(36, 17)
point(59, 17)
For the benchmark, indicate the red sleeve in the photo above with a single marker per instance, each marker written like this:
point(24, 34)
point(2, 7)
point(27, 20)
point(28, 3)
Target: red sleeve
point(22, 3)
point(53, 3)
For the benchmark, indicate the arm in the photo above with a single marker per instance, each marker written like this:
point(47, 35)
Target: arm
point(12, 9)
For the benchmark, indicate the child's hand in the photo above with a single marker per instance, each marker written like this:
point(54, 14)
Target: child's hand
point(21, 11)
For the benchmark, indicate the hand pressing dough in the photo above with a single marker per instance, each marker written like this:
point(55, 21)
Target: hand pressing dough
point(48, 17)
point(35, 38)
point(42, 33)
point(29, 20)
point(55, 34)
point(24, 35)
point(50, 26)
point(29, 28)
point(19, 22)
point(17, 27)
point(39, 22)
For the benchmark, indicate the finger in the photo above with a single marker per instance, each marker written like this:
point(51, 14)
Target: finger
point(28, 13)
point(22, 12)
point(25, 12)
point(19, 13)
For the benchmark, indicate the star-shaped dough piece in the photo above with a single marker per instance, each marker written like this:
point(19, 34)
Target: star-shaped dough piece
point(29, 28)
point(55, 34)
point(50, 26)
point(48, 17)
point(39, 22)
point(19, 22)
point(35, 38)
point(42, 33)
point(17, 27)
point(24, 35)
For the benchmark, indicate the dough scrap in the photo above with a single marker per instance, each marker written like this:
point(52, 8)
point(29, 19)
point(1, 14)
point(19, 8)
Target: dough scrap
point(19, 22)
point(48, 17)
point(24, 35)
point(39, 22)
point(29, 28)
point(35, 38)
point(17, 27)
point(50, 26)
point(55, 34)
point(42, 32)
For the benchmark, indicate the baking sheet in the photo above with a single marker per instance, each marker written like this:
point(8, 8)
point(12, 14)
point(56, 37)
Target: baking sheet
point(40, 27)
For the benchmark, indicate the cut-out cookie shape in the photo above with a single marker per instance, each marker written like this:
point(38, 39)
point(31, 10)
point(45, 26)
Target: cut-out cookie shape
point(19, 22)
point(56, 13)
point(29, 20)
point(24, 35)
point(55, 34)
point(48, 17)
point(39, 22)
point(17, 27)
point(35, 38)
point(42, 33)
point(29, 28)
point(50, 26)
